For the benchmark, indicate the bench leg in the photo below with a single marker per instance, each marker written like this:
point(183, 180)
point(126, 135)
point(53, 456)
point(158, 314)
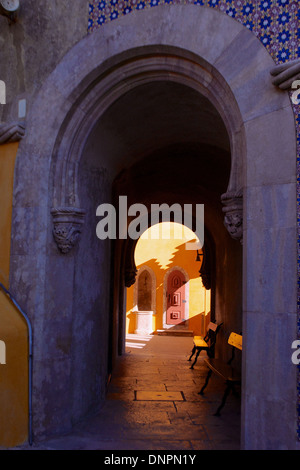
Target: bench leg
point(206, 382)
point(198, 352)
point(193, 352)
point(226, 393)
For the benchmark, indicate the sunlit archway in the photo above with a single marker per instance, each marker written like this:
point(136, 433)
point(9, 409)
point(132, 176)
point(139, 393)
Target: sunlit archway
point(172, 281)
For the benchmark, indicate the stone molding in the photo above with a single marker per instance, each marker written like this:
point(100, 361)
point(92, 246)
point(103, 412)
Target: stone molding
point(67, 227)
point(12, 132)
point(285, 74)
point(233, 210)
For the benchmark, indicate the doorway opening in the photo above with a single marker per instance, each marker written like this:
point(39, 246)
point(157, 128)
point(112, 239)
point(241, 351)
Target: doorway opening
point(168, 295)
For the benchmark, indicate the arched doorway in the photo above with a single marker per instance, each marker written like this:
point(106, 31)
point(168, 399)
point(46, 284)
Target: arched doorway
point(242, 114)
point(141, 304)
point(144, 292)
point(176, 298)
point(162, 253)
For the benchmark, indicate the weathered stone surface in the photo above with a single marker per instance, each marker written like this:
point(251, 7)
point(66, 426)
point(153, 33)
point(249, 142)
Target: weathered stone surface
point(32, 47)
point(246, 68)
point(268, 388)
point(264, 143)
point(76, 311)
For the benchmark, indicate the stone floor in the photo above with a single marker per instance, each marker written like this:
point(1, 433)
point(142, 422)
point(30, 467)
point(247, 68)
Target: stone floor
point(153, 404)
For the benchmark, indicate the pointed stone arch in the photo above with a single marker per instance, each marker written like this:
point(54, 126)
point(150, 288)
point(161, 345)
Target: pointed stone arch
point(230, 67)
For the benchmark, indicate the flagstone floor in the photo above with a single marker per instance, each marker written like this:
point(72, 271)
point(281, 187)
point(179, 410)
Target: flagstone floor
point(153, 404)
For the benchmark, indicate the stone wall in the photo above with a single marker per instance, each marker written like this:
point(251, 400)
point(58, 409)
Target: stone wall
point(32, 47)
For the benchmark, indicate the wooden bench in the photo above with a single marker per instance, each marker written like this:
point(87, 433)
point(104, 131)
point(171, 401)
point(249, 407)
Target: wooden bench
point(206, 343)
point(225, 371)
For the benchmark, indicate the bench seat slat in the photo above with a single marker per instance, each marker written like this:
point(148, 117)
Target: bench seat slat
point(225, 371)
point(236, 340)
point(199, 342)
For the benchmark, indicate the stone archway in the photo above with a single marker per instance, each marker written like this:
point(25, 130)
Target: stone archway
point(231, 69)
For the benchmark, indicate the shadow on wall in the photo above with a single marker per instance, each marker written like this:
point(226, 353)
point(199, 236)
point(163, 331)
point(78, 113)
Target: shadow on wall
point(169, 256)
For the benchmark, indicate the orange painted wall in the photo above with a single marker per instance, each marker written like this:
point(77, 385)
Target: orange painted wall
point(8, 154)
point(160, 254)
point(13, 328)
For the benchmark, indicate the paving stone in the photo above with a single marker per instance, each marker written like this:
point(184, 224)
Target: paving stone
point(153, 404)
point(158, 396)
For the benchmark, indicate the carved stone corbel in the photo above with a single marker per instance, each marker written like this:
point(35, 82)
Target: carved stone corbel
point(285, 74)
point(233, 210)
point(67, 227)
point(12, 132)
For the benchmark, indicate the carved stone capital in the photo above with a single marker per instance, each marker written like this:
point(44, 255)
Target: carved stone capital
point(285, 74)
point(67, 226)
point(12, 132)
point(233, 210)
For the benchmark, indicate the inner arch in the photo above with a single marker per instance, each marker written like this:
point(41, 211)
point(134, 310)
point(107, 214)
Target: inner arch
point(154, 116)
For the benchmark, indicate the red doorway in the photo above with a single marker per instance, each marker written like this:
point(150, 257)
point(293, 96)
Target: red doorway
point(176, 298)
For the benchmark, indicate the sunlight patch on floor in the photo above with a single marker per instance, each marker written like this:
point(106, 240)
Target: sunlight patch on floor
point(137, 341)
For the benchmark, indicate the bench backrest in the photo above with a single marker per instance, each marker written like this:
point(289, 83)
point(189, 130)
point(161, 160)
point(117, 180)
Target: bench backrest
point(236, 340)
point(212, 326)
point(211, 334)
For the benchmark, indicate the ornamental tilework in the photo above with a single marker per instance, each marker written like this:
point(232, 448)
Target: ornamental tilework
point(275, 22)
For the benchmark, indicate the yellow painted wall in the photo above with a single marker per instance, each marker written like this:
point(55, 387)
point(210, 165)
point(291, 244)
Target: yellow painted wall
point(161, 250)
point(13, 328)
point(8, 154)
